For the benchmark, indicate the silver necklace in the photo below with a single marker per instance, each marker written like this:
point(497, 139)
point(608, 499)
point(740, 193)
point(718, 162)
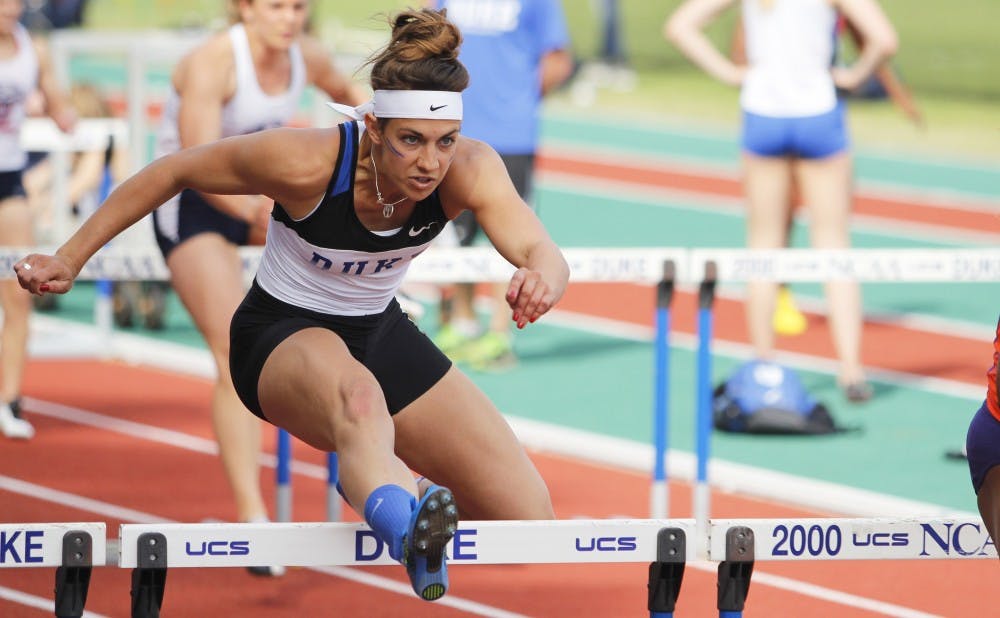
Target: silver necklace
point(387, 208)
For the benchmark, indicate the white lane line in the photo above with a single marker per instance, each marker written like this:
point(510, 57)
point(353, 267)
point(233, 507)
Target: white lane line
point(826, 594)
point(30, 600)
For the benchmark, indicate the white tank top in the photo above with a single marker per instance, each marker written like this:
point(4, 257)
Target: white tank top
point(18, 78)
point(250, 109)
point(790, 47)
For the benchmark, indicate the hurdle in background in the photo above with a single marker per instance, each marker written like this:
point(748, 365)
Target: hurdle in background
point(638, 265)
point(709, 266)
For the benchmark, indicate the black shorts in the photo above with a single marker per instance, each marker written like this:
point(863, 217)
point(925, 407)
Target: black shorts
point(11, 185)
point(404, 361)
point(189, 215)
point(521, 169)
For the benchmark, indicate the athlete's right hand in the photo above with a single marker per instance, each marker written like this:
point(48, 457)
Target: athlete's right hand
point(44, 273)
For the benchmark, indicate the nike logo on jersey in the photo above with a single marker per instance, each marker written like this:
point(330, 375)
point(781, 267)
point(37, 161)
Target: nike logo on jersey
point(435, 108)
point(378, 503)
point(417, 230)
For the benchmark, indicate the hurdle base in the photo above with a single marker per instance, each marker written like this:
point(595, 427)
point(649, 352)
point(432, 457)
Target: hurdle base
point(149, 578)
point(73, 576)
point(735, 572)
point(667, 573)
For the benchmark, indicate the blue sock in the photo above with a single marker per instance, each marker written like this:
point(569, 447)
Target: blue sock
point(387, 511)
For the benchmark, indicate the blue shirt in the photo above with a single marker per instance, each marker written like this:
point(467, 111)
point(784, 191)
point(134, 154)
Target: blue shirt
point(503, 44)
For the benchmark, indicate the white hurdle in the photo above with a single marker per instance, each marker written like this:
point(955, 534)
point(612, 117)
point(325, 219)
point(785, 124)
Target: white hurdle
point(47, 545)
point(354, 544)
point(150, 550)
point(879, 538)
point(89, 134)
point(72, 548)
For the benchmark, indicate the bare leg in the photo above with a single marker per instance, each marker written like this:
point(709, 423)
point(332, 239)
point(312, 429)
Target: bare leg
point(500, 319)
point(475, 452)
point(15, 231)
point(348, 415)
point(207, 275)
point(826, 187)
point(767, 185)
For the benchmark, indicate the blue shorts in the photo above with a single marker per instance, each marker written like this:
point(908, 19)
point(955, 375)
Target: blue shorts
point(982, 445)
point(189, 215)
point(808, 137)
point(11, 185)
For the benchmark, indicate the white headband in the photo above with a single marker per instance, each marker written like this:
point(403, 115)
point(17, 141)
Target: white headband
point(430, 104)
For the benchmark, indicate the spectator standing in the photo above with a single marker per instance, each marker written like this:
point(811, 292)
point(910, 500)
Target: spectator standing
point(516, 52)
point(795, 134)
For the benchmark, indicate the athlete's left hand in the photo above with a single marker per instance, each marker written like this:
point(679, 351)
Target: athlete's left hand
point(529, 296)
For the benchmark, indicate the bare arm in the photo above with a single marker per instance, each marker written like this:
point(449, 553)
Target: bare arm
point(290, 165)
point(205, 80)
point(325, 75)
point(898, 93)
point(57, 106)
point(878, 34)
point(685, 29)
point(479, 182)
point(556, 67)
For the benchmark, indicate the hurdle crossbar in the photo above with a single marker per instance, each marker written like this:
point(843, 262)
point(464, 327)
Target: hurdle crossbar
point(625, 265)
point(879, 538)
point(73, 548)
point(45, 544)
point(354, 544)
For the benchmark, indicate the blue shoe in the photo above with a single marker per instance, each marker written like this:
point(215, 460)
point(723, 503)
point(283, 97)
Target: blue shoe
point(432, 525)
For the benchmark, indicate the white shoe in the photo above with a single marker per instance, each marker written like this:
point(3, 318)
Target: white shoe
point(14, 427)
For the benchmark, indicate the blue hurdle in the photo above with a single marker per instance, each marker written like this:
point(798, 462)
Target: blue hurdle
point(283, 481)
point(659, 494)
point(703, 397)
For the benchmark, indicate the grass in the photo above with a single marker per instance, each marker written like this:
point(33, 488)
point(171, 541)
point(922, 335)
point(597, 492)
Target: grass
point(949, 55)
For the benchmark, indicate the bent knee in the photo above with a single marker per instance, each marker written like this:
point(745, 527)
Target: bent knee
point(363, 401)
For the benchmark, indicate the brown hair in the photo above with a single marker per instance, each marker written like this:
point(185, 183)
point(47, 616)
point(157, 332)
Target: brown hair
point(86, 99)
point(422, 54)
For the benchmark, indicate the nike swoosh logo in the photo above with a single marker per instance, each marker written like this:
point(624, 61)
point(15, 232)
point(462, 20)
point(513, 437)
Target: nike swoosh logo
point(417, 230)
point(378, 503)
point(435, 108)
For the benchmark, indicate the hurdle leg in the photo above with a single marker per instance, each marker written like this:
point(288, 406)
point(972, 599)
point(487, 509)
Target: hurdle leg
point(703, 398)
point(332, 495)
point(659, 495)
point(149, 578)
point(73, 576)
point(666, 573)
point(283, 473)
point(735, 572)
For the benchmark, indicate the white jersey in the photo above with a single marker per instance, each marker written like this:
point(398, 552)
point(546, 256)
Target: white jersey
point(328, 261)
point(790, 46)
point(18, 79)
point(250, 109)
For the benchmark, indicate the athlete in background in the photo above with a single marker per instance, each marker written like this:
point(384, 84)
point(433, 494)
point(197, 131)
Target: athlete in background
point(982, 447)
point(245, 79)
point(24, 68)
